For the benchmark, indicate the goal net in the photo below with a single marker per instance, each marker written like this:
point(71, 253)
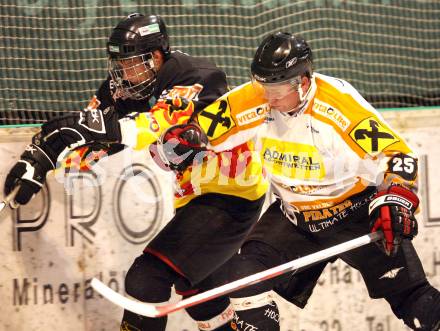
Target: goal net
point(52, 53)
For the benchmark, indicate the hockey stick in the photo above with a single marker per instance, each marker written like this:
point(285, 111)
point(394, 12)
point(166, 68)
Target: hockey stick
point(9, 200)
point(151, 310)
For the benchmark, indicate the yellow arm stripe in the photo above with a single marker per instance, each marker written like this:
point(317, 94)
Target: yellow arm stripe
point(150, 126)
point(148, 130)
point(243, 108)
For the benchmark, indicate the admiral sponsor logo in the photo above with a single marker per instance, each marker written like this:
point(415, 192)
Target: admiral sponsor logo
point(252, 115)
point(331, 113)
point(403, 202)
point(291, 160)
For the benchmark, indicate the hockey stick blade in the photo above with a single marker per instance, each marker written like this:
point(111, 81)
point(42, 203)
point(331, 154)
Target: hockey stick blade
point(152, 310)
point(9, 198)
point(137, 307)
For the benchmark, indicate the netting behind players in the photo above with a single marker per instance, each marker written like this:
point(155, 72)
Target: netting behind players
point(53, 57)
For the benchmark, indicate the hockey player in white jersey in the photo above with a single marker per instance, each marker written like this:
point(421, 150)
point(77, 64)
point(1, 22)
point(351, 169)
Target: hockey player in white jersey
point(338, 171)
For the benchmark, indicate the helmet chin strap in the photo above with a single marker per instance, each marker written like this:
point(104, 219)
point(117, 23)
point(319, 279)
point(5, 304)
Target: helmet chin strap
point(303, 99)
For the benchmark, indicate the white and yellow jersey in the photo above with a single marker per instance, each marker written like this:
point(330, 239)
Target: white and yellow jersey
point(336, 148)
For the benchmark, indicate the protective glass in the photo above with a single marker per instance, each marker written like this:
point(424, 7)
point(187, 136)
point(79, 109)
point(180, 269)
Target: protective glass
point(276, 91)
point(134, 77)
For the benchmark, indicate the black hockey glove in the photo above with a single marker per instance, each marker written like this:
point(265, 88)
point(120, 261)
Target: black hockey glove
point(29, 172)
point(64, 134)
point(392, 212)
point(56, 138)
point(183, 145)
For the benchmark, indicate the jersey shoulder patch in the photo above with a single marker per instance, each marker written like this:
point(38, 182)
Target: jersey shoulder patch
point(372, 136)
point(240, 109)
point(216, 119)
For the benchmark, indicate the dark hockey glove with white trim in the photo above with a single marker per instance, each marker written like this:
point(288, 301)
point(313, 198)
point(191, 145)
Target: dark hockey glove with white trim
point(392, 212)
point(56, 138)
point(29, 172)
point(182, 145)
point(61, 135)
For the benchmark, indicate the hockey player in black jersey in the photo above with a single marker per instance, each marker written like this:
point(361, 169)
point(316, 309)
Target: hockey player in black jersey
point(143, 69)
point(162, 88)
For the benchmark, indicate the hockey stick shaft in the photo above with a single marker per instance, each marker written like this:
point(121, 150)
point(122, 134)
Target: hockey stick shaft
point(9, 198)
point(151, 310)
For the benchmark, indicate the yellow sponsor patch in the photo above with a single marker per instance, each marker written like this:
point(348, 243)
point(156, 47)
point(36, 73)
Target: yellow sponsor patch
point(372, 136)
point(294, 160)
point(252, 115)
point(331, 113)
point(216, 119)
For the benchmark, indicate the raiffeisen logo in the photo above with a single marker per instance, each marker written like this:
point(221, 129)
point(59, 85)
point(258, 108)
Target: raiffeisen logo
point(252, 115)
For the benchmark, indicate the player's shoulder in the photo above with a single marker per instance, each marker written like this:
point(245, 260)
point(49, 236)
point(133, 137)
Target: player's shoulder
point(338, 100)
point(244, 98)
point(187, 76)
point(241, 109)
point(184, 62)
point(183, 69)
point(362, 127)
